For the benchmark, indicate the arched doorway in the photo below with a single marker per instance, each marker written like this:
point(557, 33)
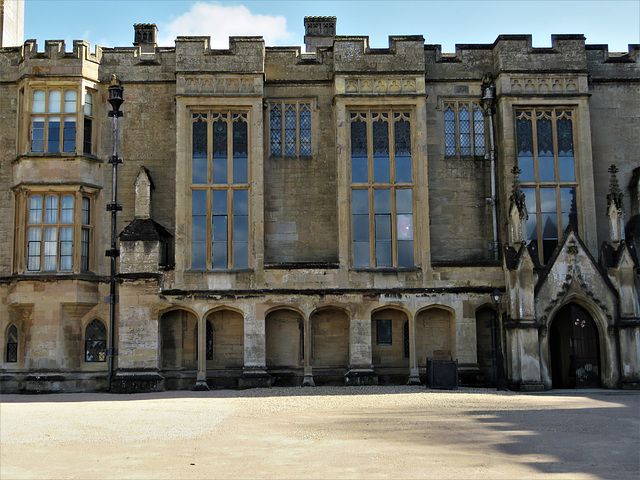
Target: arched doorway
point(284, 339)
point(574, 349)
point(435, 335)
point(178, 340)
point(224, 340)
point(390, 345)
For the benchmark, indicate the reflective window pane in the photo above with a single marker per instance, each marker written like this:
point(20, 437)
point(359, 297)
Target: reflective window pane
point(404, 203)
point(219, 255)
point(67, 209)
point(37, 134)
point(51, 209)
point(275, 130)
point(70, 98)
point(405, 253)
point(361, 254)
point(35, 209)
point(53, 143)
point(383, 254)
point(240, 255)
point(55, 99)
point(382, 201)
point(39, 101)
point(69, 135)
point(405, 227)
point(383, 227)
point(359, 172)
point(403, 169)
point(219, 202)
point(360, 203)
point(240, 202)
point(361, 228)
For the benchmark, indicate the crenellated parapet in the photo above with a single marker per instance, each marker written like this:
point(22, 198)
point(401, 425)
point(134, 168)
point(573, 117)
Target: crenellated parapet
point(55, 60)
point(245, 55)
point(611, 66)
point(404, 55)
point(286, 64)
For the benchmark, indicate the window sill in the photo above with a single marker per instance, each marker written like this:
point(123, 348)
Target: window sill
point(67, 156)
point(292, 157)
point(385, 270)
point(239, 270)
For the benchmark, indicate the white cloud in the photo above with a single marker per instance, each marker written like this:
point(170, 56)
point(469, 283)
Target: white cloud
point(220, 22)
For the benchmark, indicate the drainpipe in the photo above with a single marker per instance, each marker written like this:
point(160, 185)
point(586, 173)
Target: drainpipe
point(115, 99)
point(488, 101)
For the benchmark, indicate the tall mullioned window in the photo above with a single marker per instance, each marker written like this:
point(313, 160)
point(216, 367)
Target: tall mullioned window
point(53, 120)
point(463, 129)
point(220, 191)
point(290, 129)
point(381, 189)
point(546, 157)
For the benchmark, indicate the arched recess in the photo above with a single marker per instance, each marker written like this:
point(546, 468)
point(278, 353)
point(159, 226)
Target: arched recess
point(95, 341)
point(485, 318)
point(330, 338)
point(284, 338)
point(225, 339)
point(574, 349)
point(435, 334)
point(178, 340)
point(12, 342)
point(389, 340)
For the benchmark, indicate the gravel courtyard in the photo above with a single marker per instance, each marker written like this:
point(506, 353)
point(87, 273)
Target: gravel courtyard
point(323, 432)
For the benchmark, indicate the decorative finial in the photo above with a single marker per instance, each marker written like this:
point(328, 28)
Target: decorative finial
point(615, 195)
point(517, 197)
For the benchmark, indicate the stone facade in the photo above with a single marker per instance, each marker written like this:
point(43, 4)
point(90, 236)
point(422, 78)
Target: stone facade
point(318, 287)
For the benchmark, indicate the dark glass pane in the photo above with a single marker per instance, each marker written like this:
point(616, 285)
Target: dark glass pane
point(403, 168)
point(546, 168)
point(381, 138)
point(69, 135)
point(405, 253)
point(240, 202)
point(240, 149)
point(199, 202)
point(96, 330)
point(359, 172)
point(199, 147)
point(478, 130)
point(403, 201)
point(219, 255)
point(569, 207)
point(532, 227)
point(548, 200)
point(37, 135)
point(360, 201)
point(565, 136)
point(53, 144)
point(464, 121)
point(567, 169)
point(199, 228)
point(219, 202)
point(383, 254)
point(199, 170)
point(240, 228)
point(403, 138)
point(525, 163)
point(382, 201)
point(383, 227)
point(88, 130)
point(240, 255)
point(524, 134)
point(449, 130)
point(383, 332)
point(361, 228)
point(360, 254)
point(305, 129)
point(289, 130)
point(530, 199)
point(549, 223)
point(219, 224)
point(358, 139)
point(275, 130)
point(381, 168)
point(219, 160)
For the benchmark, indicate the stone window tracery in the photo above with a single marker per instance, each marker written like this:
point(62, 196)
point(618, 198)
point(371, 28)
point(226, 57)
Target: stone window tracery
point(381, 189)
point(220, 191)
point(546, 158)
point(464, 130)
point(290, 129)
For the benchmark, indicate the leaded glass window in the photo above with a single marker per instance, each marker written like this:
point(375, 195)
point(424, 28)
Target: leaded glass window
point(545, 155)
point(220, 190)
point(381, 189)
point(95, 341)
point(464, 132)
point(384, 332)
point(290, 129)
point(12, 344)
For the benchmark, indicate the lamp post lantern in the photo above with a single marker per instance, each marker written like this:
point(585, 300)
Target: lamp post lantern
point(115, 99)
point(498, 358)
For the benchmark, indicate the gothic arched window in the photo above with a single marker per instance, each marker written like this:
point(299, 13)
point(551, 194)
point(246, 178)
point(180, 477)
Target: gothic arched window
point(95, 341)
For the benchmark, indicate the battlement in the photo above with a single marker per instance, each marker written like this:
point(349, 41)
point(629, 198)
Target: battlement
point(605, 65)
point(244, 55)
point(353, 54)
point(56, 49)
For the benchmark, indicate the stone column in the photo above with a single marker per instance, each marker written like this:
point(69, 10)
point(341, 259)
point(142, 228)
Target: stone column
point(360, 363)
point(307, 381)
point(414, 369)
point(254, 372)
point(201, 379)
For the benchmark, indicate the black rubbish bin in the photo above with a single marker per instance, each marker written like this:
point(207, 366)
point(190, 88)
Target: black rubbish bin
point(442, 374)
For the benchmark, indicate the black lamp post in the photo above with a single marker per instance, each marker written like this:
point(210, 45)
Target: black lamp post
point(115, 99)
point(498, 359)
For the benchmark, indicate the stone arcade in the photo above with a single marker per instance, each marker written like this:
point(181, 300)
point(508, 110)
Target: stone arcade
point(331, 216)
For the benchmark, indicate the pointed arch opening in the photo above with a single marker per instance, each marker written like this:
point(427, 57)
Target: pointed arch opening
point(330, 338)
point(284, 340)
point(435, 334)
point(178, 340)
point(95, 341)
point(225, 340)
point(574, 349)
point(389, 345)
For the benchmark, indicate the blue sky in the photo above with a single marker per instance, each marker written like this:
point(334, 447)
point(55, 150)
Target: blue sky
point(110, 22)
